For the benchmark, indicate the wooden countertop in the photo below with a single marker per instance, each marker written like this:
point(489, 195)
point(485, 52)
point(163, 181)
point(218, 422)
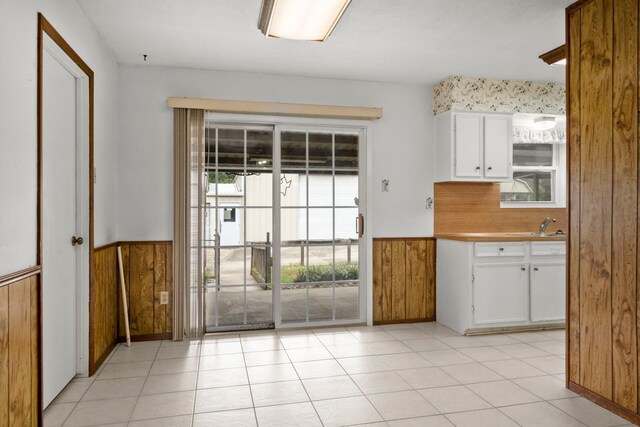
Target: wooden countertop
point(501, 237)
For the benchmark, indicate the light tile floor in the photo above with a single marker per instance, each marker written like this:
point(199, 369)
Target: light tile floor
point(420, 374)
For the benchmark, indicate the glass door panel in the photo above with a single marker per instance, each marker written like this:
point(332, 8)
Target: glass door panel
point(238, 235)
point(323, 262)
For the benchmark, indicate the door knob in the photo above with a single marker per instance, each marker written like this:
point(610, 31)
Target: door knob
point(76, 241)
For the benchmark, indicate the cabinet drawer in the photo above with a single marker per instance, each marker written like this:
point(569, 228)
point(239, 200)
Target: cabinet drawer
point(548, 248)
point(499, 249)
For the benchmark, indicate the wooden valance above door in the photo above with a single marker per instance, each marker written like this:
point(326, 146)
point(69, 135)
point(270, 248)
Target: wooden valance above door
point(277, 108)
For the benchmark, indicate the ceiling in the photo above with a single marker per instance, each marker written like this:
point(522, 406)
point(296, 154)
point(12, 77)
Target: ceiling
point(409, 41)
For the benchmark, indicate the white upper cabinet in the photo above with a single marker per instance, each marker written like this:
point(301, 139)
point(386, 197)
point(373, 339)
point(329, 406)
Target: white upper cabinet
point(468, 146)
point(497, 147)
point(473, 147)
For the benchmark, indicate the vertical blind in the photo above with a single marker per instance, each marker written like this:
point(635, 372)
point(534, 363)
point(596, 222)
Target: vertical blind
point(189, 188)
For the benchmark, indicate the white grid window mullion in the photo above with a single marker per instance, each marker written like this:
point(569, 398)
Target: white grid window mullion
point(307, 225)
point(333, 215)
point(216, 239)
point(244, 221)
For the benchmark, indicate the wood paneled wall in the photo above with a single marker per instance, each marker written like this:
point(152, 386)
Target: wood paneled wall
point(148, 271)
point(20, 353)
point(474, 207)
point(602, 357)
point(404, 285)
point(103, 318)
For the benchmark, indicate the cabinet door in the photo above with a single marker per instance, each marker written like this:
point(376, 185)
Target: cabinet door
point(497, 147)
point(500, 293)
point(548, 291)
point(468, 146)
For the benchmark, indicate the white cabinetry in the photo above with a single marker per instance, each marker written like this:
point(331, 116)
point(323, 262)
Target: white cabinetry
point(473, 147)
point(467, 146)
point(500, 293)
point(547, 298)
point(484, 285)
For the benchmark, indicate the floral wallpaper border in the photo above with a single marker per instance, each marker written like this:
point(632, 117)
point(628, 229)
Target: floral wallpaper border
point(503, 96)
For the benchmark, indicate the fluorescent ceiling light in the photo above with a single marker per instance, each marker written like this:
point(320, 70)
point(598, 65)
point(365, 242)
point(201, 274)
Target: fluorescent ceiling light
point(301, 19)
point(544, 123)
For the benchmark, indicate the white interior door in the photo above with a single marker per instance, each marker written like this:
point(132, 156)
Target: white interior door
point(63, 217)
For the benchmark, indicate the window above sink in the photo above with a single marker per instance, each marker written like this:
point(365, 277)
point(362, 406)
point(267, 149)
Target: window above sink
point(539, 166)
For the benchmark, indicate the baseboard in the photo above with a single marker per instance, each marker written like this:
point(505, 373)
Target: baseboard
point(93, 367)
point(605, 403)
point(393, 322)
point(147, 337)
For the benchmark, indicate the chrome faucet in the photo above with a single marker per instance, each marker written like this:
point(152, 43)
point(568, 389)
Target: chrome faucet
point(544, 224)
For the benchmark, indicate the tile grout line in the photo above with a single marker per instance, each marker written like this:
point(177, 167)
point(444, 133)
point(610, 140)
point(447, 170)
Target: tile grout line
point(195, 392)
point(143, 384)
point(351, 379)
point(300, 379)
point(92, 381)
point(246, 371)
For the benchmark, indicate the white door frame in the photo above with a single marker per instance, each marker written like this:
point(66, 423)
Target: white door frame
point(82, 200)
point(365, 189)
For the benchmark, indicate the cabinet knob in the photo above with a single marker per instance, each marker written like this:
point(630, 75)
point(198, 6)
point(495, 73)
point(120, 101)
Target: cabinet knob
point(523, 268)
point(535, 268)
point(477, 168)
point(489, 168)
point(501, 249)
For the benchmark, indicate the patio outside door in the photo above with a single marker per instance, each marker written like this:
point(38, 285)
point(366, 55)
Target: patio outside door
point(280, 244)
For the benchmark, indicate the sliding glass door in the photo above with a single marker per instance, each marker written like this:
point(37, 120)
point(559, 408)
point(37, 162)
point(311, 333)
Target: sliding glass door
point(238, 227)
point(319, 245)
point(280, 241)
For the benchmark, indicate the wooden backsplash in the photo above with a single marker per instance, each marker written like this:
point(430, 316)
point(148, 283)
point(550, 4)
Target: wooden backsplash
point(473, 207)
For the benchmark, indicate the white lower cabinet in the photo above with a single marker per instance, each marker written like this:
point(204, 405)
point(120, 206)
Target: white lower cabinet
point(480, 286)
point(500, 293)
point(547, 298)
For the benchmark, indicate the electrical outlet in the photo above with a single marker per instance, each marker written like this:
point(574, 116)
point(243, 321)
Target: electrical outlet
point(164, 297)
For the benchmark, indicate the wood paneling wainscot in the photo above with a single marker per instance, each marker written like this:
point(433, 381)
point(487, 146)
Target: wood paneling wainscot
point(148, 271)
point(103, 321)
point(404, 280)
point(474, 207)
point(602, 347)
point(19, 353)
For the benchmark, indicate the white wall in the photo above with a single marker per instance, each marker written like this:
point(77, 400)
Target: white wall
point(18, 79)
point(402, 141)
